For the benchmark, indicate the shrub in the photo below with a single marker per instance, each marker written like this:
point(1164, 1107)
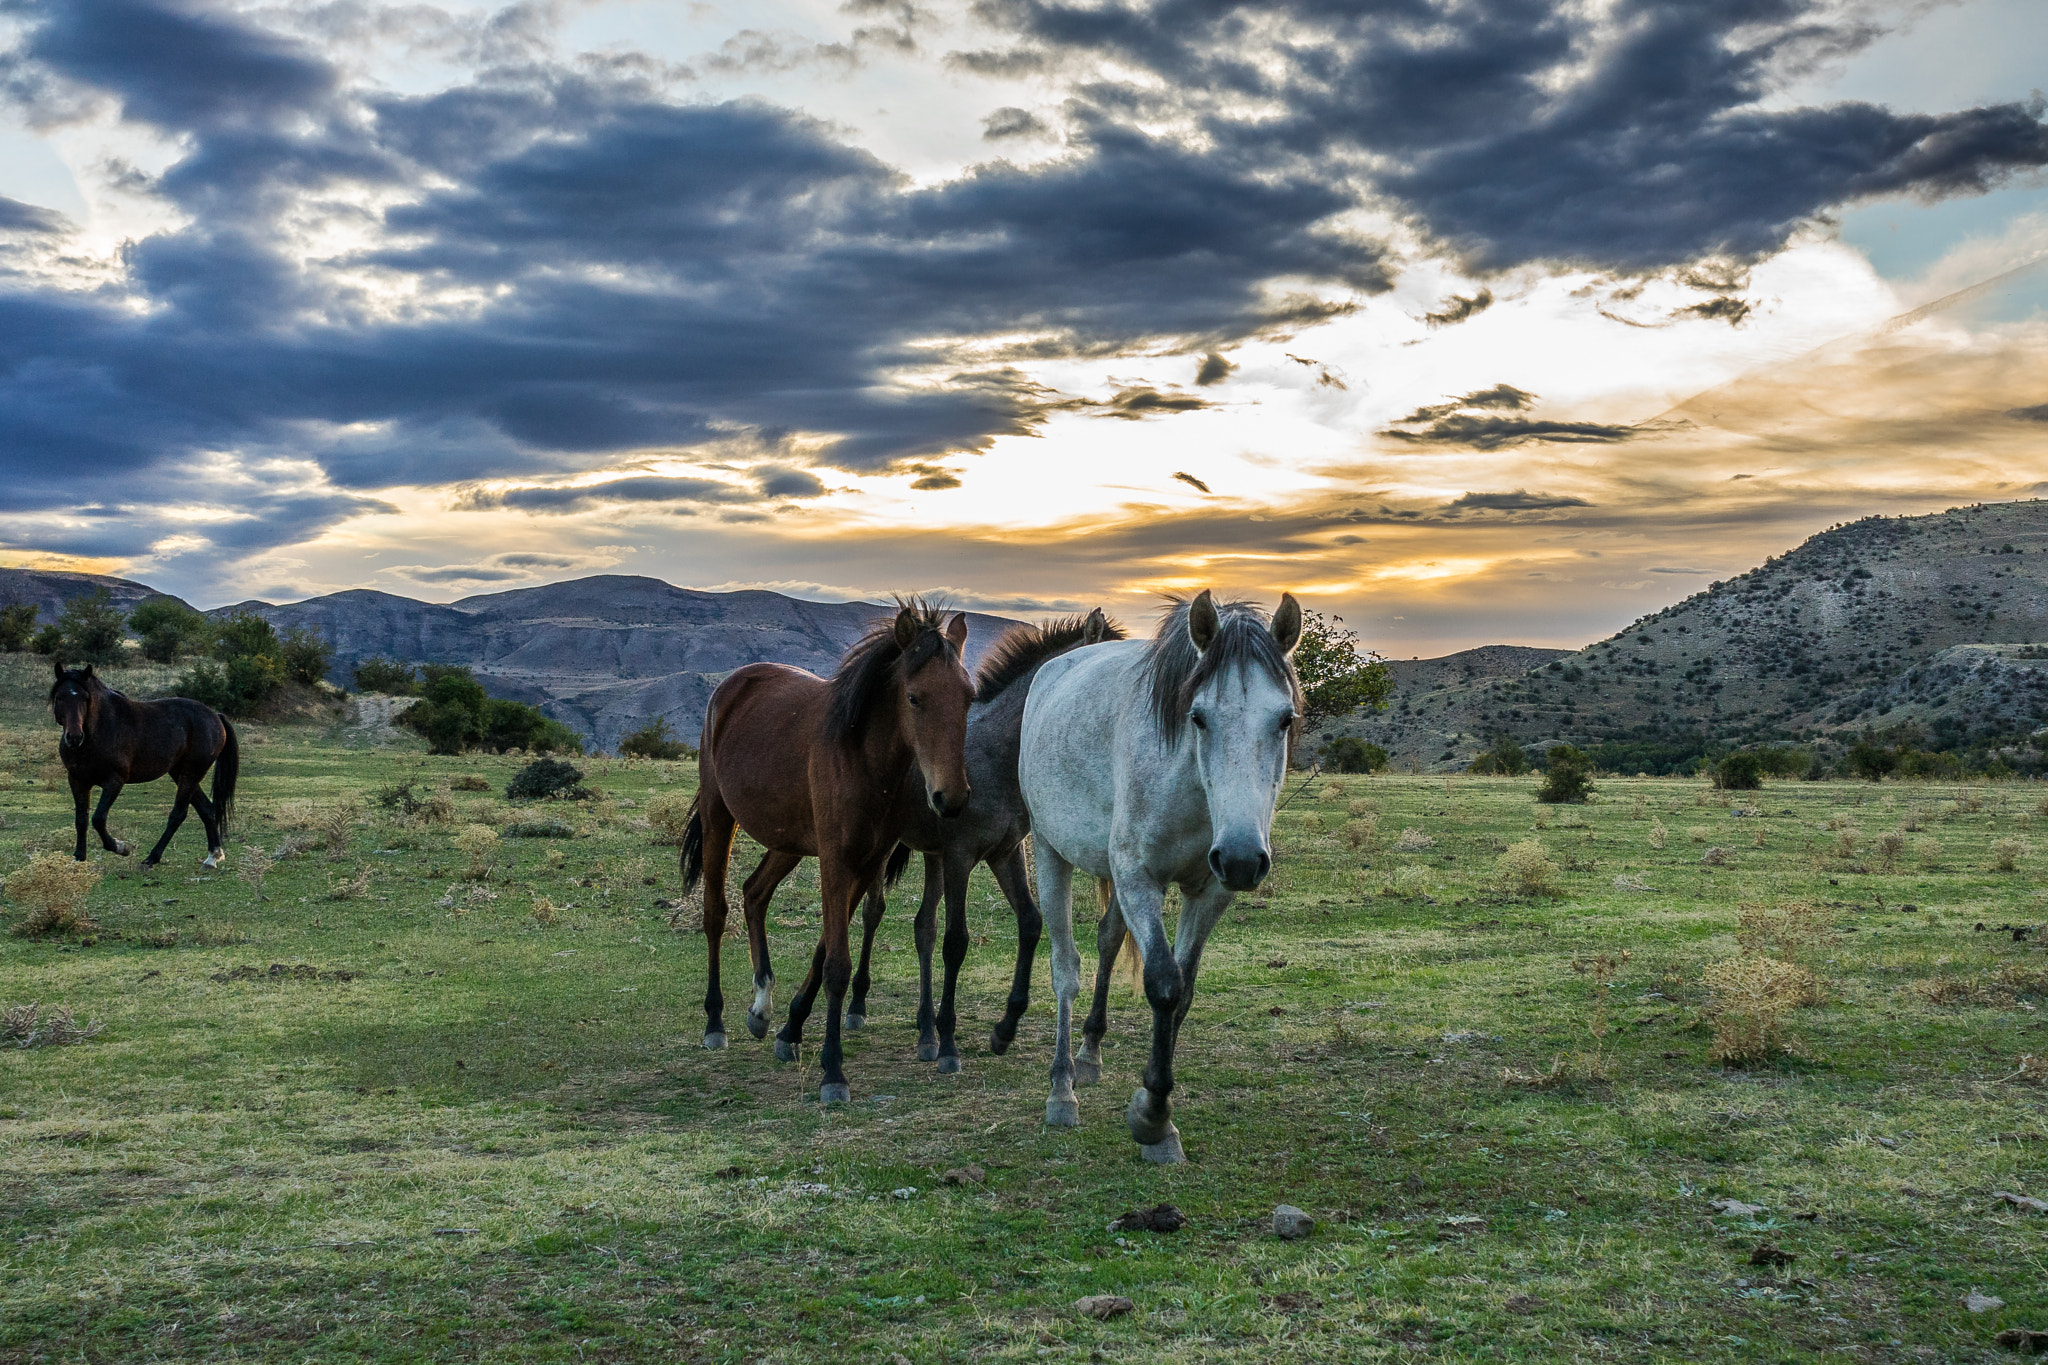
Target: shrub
point(2006, 854)
point(1741, 771)
point(169, 629)
point(1890, 846)
point(1332, 790)
point(1413, 841)
point(337, 825)
point(53, 889)
point(1639, 808)
point(653, 740)
point(256, 865)
point(454, 714)
point(1750, 996)
point(1526, 870)
point(389, 676)
point(17, 626)
point(543, 910)
point(350, 888)
point(307, 657)
point(92, 628)
point(547, 779)
point(1349, 754)
point(1847, 840)
point(1793, 930)
point(26, 1026)
point(49, 640)
point(238, 687)
point(1361, 808)
point(1363, 831)
point(478, 843)
point(1567, 775)
point(1697, 833)
point(1927, 849)
point(1658, 834)
point(669, 815)
point(471, 782)
point(1504, 759)
point(1413, 883)
point(540, 829)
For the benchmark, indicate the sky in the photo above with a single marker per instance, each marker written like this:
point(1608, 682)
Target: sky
point(1467, 321)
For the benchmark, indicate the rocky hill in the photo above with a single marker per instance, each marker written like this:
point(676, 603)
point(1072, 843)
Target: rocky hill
point(1872, 623)
point(49, 590)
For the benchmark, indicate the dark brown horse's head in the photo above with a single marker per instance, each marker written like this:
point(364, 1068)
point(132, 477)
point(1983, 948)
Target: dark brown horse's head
point(935, 695)
point(75, 700)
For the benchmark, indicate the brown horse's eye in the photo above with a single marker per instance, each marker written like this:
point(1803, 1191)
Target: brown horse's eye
point(916, 700)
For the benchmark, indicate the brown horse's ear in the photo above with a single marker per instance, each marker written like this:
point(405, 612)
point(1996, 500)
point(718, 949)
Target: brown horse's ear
point(88, 670)
point(58, 664)
point(907, 626)
point(1096, 628)
point(956, 630)
point(1287, 623)
point(1202, 621)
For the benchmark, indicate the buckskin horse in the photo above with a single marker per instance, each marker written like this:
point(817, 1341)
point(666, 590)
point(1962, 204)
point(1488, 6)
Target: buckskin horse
point(1146, 763)
point(110, 740)
point(833, 769)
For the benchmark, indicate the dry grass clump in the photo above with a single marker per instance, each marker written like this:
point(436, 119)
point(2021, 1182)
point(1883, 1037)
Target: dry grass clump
point(1927, 849)
point(1889, 848)
point(1363, 831)
point(1793, 930)
point(337, 824)
point(1716, 856)
point(1658, 834)
point(1639, 809)
point(1537, 1080)
point(295, 814)
point(1312, 823)
point(2006, 854)
point(1750, 998)
point(1969, 800)
point(1526, 870)
point(1698, 833)
point(27, 1026)
point(1333, 791)
point(1914, 820)
point(352, 888)
point(669, 814)
point(255, 866)
point(1361, 808)
point(1413, 882)
point(470, 782)
point(53, 889)
point(2032, 1070)
point(1847, 840)
point(1413, 840)
point(222, 935)
point(479, 844)
point(544, 911)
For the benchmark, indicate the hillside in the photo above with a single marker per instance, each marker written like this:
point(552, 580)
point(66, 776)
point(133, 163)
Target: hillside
point(49, 590)
point(1873, 623)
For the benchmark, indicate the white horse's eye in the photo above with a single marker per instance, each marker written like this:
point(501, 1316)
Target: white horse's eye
point(1287, 721)
point(1201, 721)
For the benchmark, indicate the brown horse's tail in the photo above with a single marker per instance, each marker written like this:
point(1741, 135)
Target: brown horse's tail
point(693, 846)
point(226, 769)
point(899, 858)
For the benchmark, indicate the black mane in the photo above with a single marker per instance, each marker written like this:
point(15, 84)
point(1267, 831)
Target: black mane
point(866, 669)
point(1177, 669)
point(1025, 648)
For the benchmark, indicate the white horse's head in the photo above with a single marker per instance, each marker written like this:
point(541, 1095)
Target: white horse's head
point(1240, 704)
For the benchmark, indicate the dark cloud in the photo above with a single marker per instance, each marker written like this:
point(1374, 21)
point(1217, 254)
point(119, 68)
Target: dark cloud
point(575, 497)
point(1498, 433)
point(936, 481)
point(16, 216)
point(1011, 121)
point(1459, 308)
point(1191, 481)
point(1214, 369)
point(2038, 413)
point(1521, 500)
point(1500, 396)
point(1132, 404)
point(1724, 309)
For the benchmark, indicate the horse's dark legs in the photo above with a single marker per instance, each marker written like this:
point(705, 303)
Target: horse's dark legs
point(841, 887)
point(178, 809)
point(1170, 987)
point(957, 866)
point(1009, 875)
point(1109, 941)
point(792, 1035)
point(81, 799)
point(755, 895)
point(925, 930)
point(876, 906)
point(109, 789)
point(717, 824)
point(210, 818)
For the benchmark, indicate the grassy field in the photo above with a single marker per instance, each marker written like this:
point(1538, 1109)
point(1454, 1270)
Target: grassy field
point(440, 1128)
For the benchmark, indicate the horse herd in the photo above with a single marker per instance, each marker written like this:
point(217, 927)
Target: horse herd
point(1143, 764)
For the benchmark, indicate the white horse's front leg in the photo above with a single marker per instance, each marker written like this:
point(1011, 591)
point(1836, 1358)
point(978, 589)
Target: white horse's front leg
point(1056, 903)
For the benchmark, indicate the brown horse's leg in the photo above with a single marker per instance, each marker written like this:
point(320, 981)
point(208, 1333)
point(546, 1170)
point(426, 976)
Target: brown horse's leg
point(957, 868)
point(209, 817)
point(842, 887)
point(178, 809)
point(871, 919)
point(1109, 941)
point(1009, 874)
point(109, 789)
point(925, 930)
point(718, 831)
point(81, 799)
point(754, 897)
point(792, 1035)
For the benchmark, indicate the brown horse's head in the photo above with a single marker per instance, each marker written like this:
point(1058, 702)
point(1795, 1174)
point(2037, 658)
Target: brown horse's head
point(936, 693)
point(75, 700)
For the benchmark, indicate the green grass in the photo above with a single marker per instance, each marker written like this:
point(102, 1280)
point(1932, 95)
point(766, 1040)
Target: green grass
point(257, 1169)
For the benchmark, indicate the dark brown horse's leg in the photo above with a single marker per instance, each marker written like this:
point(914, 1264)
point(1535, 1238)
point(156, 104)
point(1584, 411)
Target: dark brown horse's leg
point(81, 801)
point(109, 789)
point(925, 930)
point(209, 817)
point(792, 1035)
point(841, 890)
point(754, 897)
point(1009, 875)
point(178, 809)
point(876, 906)
point(958, 865)
point(1109, 941)
point(717, 853)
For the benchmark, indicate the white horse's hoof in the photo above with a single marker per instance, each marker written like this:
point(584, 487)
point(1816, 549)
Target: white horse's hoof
point(835, 1094)
point(757, 1024)
point(1087, 1073)
point(1063, 1113)
point(715, 1042)
point(1166, 1151)
point(856, 1022)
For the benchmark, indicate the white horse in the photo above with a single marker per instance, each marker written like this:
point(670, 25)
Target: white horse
point(1153, 762)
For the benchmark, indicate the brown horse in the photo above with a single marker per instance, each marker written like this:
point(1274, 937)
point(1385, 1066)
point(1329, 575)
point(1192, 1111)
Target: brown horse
point(823, 768)
point(110, 740)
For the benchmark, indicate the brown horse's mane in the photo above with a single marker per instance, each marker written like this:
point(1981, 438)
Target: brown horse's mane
point(1023, 649)
point(865, 671)
point(1177, 669)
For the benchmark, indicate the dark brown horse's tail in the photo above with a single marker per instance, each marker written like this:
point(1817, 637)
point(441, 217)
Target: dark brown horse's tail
point(693, 847)
point(226, 769)
point(899, 858)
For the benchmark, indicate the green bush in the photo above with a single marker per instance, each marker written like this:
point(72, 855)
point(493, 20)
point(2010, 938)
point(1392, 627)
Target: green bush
point(1785, 760)
point(17, 626)
point(547, 779)
point(454, 714)
point(1349, 754)
point(238, 687)
point(48, 640)
point(1872, 761)
point(1567, 776)
point(1741, 771)
point(244, 635)
point(307, 657)
point(92, 628)
point(653, 740)
point(387, 675)
point(1505, 758)
point(168, 628)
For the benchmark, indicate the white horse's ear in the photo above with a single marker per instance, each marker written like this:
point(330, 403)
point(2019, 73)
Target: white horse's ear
point(907, 626)
point(956, 630)
point(1202, 621)
point(1287, 623)
point(1096, 628)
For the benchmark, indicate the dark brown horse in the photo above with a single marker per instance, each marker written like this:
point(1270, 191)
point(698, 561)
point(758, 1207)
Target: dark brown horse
point(110, 740)
point(831, 769)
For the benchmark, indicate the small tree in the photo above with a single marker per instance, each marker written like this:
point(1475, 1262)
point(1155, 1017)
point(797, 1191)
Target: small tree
point(92, 628)
point(653, 740)
point(545, 779)
point(17, 626)
point(1336, 676)
point(386, 675)
point(168, 628)
point(1872, 761)
point(1350, 754)
point(1504, 758)
point(307, 657)
point(48, 640)
point(1567, 775)
point(1741, 771)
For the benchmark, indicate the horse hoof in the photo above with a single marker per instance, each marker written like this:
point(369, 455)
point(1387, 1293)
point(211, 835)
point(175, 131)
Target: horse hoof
point(757, 1024)
point(149, 864)
point(785, 1051)
point(834, 1093)
point(927, 1052)
point(1146, 1129)
point(999, 1042)
point(120, 850)
point(856, 1022)
point(1063, 1113)
point(714, 1041)
point(1166, 1151)
point(1087, 1073)
point(949, 1066)
point(216, 859)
